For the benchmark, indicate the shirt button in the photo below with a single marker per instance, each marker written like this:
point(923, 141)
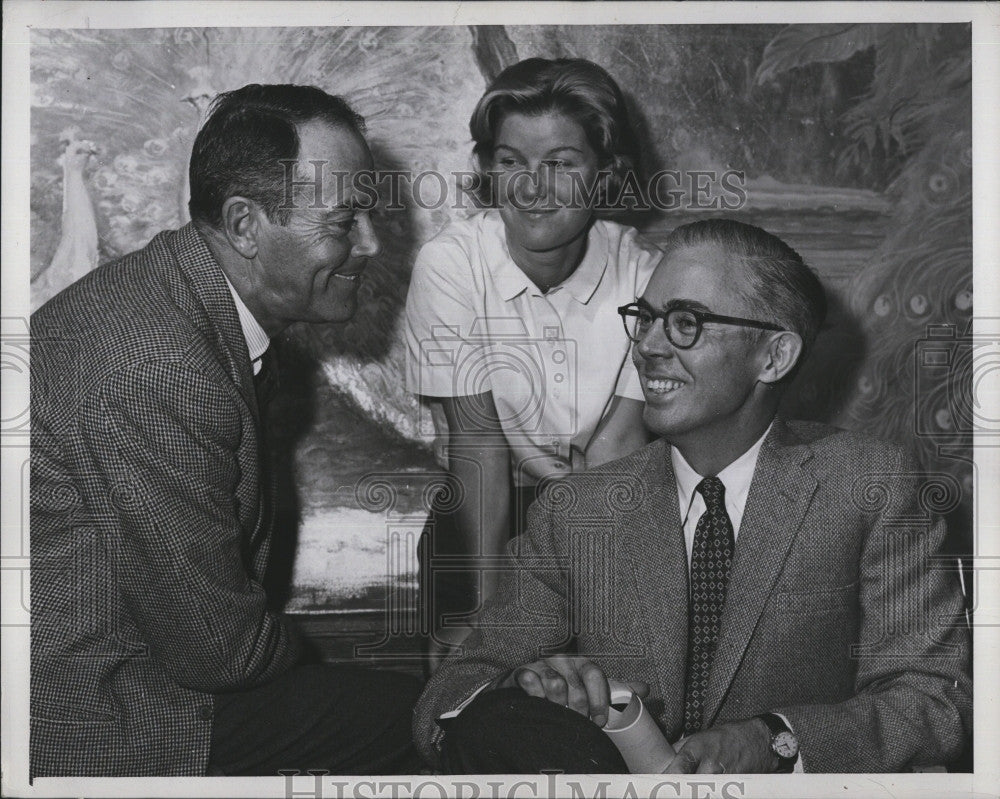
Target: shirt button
point(205, 712)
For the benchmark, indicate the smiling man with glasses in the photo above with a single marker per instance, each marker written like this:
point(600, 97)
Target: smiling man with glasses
point(729, 572)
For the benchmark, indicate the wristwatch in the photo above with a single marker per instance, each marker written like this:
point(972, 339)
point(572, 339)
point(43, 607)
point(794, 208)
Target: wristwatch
point(784, 744)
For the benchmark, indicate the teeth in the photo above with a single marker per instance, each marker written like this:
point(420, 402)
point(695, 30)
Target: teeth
point(352, 278)
point(663, 386)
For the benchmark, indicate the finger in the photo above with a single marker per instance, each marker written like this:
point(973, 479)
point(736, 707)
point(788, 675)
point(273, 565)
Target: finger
point(684, 762)
point(576, 691)
point(578, 699)
point(555, 686)
point(598, 692)
point(710, 766)
point(639, 688)
point(529, 682)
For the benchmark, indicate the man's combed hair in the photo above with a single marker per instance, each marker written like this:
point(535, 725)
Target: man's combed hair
point(250, 133)
point(574, 87)
point(783, 289)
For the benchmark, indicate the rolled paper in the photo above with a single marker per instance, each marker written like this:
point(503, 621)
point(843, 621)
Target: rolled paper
point(635, 733)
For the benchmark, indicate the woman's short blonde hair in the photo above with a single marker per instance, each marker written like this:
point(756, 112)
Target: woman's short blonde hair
point(575, 87)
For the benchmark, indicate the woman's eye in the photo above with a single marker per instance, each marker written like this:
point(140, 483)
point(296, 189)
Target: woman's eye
point(645, 318)
point(507, 163)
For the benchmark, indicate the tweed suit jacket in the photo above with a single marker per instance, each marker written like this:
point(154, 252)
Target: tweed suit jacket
point(835, 614)
point(150, 527)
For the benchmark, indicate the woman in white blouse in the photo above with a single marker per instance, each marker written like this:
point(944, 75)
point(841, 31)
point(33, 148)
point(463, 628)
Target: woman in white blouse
point(511, 321)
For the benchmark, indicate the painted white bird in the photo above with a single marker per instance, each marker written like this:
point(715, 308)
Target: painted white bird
point(77, 251)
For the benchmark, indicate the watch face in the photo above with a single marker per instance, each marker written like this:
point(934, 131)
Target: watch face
point(785, 744)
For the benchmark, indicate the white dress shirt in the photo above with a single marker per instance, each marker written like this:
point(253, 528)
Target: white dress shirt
point(736, 477)
point(257, 340)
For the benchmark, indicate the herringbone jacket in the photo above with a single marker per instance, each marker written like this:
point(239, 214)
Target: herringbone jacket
point(839, 613)
point(149, 529)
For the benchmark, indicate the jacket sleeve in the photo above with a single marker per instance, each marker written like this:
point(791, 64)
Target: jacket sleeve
point(163, 441)
point(526, 619)
point(913, 697)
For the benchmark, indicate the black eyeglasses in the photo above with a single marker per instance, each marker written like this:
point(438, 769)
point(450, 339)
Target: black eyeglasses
point(682, 326)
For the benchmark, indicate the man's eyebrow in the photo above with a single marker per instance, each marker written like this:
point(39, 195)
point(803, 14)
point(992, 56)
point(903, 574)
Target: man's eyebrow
point(674, 305)
point(687, 305)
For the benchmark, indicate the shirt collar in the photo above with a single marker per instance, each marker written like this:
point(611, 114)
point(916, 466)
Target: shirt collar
point(736, 477)
point(511, 281)
point(257, 340)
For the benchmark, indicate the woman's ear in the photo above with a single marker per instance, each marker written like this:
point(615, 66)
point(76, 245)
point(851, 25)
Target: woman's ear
point(241, 225)
point(781, 353)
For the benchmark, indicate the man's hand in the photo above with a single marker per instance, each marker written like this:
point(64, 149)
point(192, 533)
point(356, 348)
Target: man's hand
point(569, 680)
point(740, 748)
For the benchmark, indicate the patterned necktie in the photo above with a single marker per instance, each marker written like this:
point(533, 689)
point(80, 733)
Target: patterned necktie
point(265, 382)
point(711, 559)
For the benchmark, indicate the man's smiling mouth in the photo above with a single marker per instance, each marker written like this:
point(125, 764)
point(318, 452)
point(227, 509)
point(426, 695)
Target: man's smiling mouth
point(662, 386)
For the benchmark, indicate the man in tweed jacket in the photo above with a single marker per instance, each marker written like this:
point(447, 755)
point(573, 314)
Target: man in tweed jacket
point(839, 643)
point(153, 647)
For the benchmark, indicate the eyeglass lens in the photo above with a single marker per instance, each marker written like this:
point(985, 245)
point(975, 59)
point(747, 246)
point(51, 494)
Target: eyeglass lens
point(680, 326)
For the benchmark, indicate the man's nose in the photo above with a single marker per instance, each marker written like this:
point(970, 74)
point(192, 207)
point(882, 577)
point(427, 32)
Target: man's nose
point(654, 342)
point(366, 243)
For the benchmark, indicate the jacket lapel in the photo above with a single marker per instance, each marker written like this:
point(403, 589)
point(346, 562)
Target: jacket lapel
point(779, 496)
point(655, 545)
point(211, 306)
point(208, 284)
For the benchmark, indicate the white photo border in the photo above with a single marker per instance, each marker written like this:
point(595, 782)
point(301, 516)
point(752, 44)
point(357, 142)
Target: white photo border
point(20, 16)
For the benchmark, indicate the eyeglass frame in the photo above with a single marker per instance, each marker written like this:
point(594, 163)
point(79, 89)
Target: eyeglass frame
point(700, 317)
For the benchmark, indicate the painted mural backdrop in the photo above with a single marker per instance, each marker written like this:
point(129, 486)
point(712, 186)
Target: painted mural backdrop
point(855, 145)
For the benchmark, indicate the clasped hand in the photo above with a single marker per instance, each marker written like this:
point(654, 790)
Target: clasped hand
point(741, 747)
